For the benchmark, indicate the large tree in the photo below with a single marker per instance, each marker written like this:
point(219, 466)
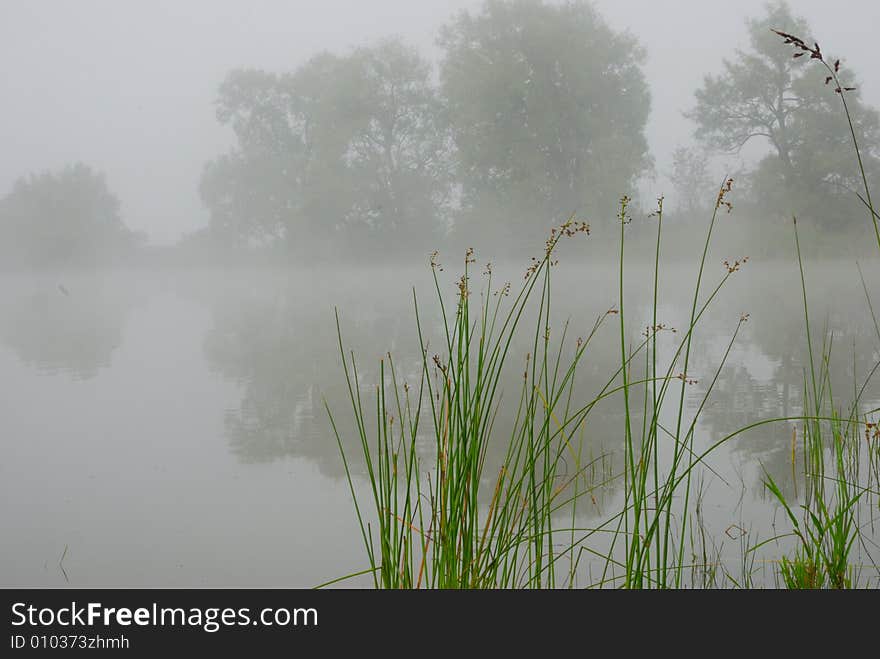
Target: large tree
point(259, 191)
point(767, 93)
point(548, 107)
point(350, 149)
point(398, 150)
point(68, 217)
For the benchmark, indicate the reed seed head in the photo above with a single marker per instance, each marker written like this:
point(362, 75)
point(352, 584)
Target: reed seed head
point(722, 194)
point(736, 265)
point(815, 53)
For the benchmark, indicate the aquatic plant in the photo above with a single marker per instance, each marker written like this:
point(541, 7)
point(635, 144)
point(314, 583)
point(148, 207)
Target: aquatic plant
point(450, 522)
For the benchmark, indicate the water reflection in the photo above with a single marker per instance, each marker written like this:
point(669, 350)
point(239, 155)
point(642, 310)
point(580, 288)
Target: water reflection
point(218, 396)
point(280, 348)
point(257, 344)
point(278, 344)
point(766, 374)
point(277, 341)
point(73, 327)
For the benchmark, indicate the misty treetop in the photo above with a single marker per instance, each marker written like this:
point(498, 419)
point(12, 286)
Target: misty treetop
point(765, 93)
point(537, 112)
point(62, 218)
point(353, 146)
point(548, 108)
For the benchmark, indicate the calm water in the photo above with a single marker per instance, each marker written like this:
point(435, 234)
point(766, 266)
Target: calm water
point(167, 429)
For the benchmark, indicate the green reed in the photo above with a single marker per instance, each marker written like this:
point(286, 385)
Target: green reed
point(828, 529)
point(442, 518)
point(430, 526)
point(433, 513)
point(655, 516)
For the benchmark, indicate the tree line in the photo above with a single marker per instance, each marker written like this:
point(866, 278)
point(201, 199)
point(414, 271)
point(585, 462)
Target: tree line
point(535, 112)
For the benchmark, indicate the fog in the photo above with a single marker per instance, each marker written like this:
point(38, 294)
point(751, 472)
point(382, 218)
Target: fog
point(128, 87)
point(210, 209)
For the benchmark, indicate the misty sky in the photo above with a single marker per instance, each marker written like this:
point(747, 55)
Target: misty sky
point(128, 86)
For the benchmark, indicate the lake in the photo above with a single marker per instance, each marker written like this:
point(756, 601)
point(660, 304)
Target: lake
point(167, 428)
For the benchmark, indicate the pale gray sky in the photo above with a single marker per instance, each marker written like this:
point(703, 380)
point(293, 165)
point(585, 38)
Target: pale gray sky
point(127, 85)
